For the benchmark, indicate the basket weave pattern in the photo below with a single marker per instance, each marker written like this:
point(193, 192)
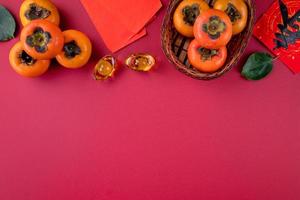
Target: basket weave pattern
point(175, 46)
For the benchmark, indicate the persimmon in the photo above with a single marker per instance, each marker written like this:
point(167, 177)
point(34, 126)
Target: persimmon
point(213, 29)
point(185, 15)
point(236, 10)
point(38, 9)
point(42, 39)
point(24, 64)
point(206, 60)
point(77, 50)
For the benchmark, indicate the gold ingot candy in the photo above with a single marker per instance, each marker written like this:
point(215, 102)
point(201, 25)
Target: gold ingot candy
point(140, 62)
point(105, 68)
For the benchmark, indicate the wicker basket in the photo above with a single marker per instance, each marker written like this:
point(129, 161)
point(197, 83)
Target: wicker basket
point(175, 46)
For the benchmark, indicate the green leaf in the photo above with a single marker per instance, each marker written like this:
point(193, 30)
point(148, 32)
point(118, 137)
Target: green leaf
point(258, 66)
point(7, 24)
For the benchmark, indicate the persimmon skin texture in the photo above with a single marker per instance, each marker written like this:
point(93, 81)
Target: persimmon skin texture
point(239, 25)
point(209, 66)
point(203, 38)
point(55, 44)
point(180, 25)
point(85, 45)
point(36, 69)
point(53, 17)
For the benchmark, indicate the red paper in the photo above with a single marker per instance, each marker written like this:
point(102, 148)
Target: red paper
point(121, 22)
point(267, 26)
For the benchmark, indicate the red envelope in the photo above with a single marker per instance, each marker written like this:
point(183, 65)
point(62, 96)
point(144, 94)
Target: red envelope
point(279, 30)
point(121, 22)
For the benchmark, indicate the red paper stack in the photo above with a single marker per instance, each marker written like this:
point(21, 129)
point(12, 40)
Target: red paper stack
point(121, 22)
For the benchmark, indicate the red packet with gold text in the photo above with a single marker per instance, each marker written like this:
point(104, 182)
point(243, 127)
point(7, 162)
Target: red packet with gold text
point(279, 30)
point(121, 22)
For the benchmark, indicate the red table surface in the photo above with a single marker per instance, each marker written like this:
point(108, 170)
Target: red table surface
point(160, 136)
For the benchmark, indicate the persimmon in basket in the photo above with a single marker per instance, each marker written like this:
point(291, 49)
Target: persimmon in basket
point(206, 60)
point(213, 29)
point(186, 14)
point(231, 29)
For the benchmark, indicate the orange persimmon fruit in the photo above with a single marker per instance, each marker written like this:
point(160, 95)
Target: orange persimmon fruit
point(42, 39)
point(38, 9)
point(236, 10)
point(213, 29)
point(24, 64)
point(186, 14)
point(206, 60)
point(77, 50)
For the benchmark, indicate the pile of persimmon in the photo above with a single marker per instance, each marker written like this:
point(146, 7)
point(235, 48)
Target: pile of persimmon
point(211, 28)
point(42, 40)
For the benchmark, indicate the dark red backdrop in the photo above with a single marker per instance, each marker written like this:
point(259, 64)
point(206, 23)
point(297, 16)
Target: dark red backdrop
point(160, 136)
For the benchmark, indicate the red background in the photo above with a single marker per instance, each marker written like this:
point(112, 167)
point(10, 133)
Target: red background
point(160, 136)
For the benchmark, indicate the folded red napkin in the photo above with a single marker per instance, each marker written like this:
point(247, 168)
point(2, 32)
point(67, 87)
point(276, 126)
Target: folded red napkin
point(121, 22)
point(279, 30)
